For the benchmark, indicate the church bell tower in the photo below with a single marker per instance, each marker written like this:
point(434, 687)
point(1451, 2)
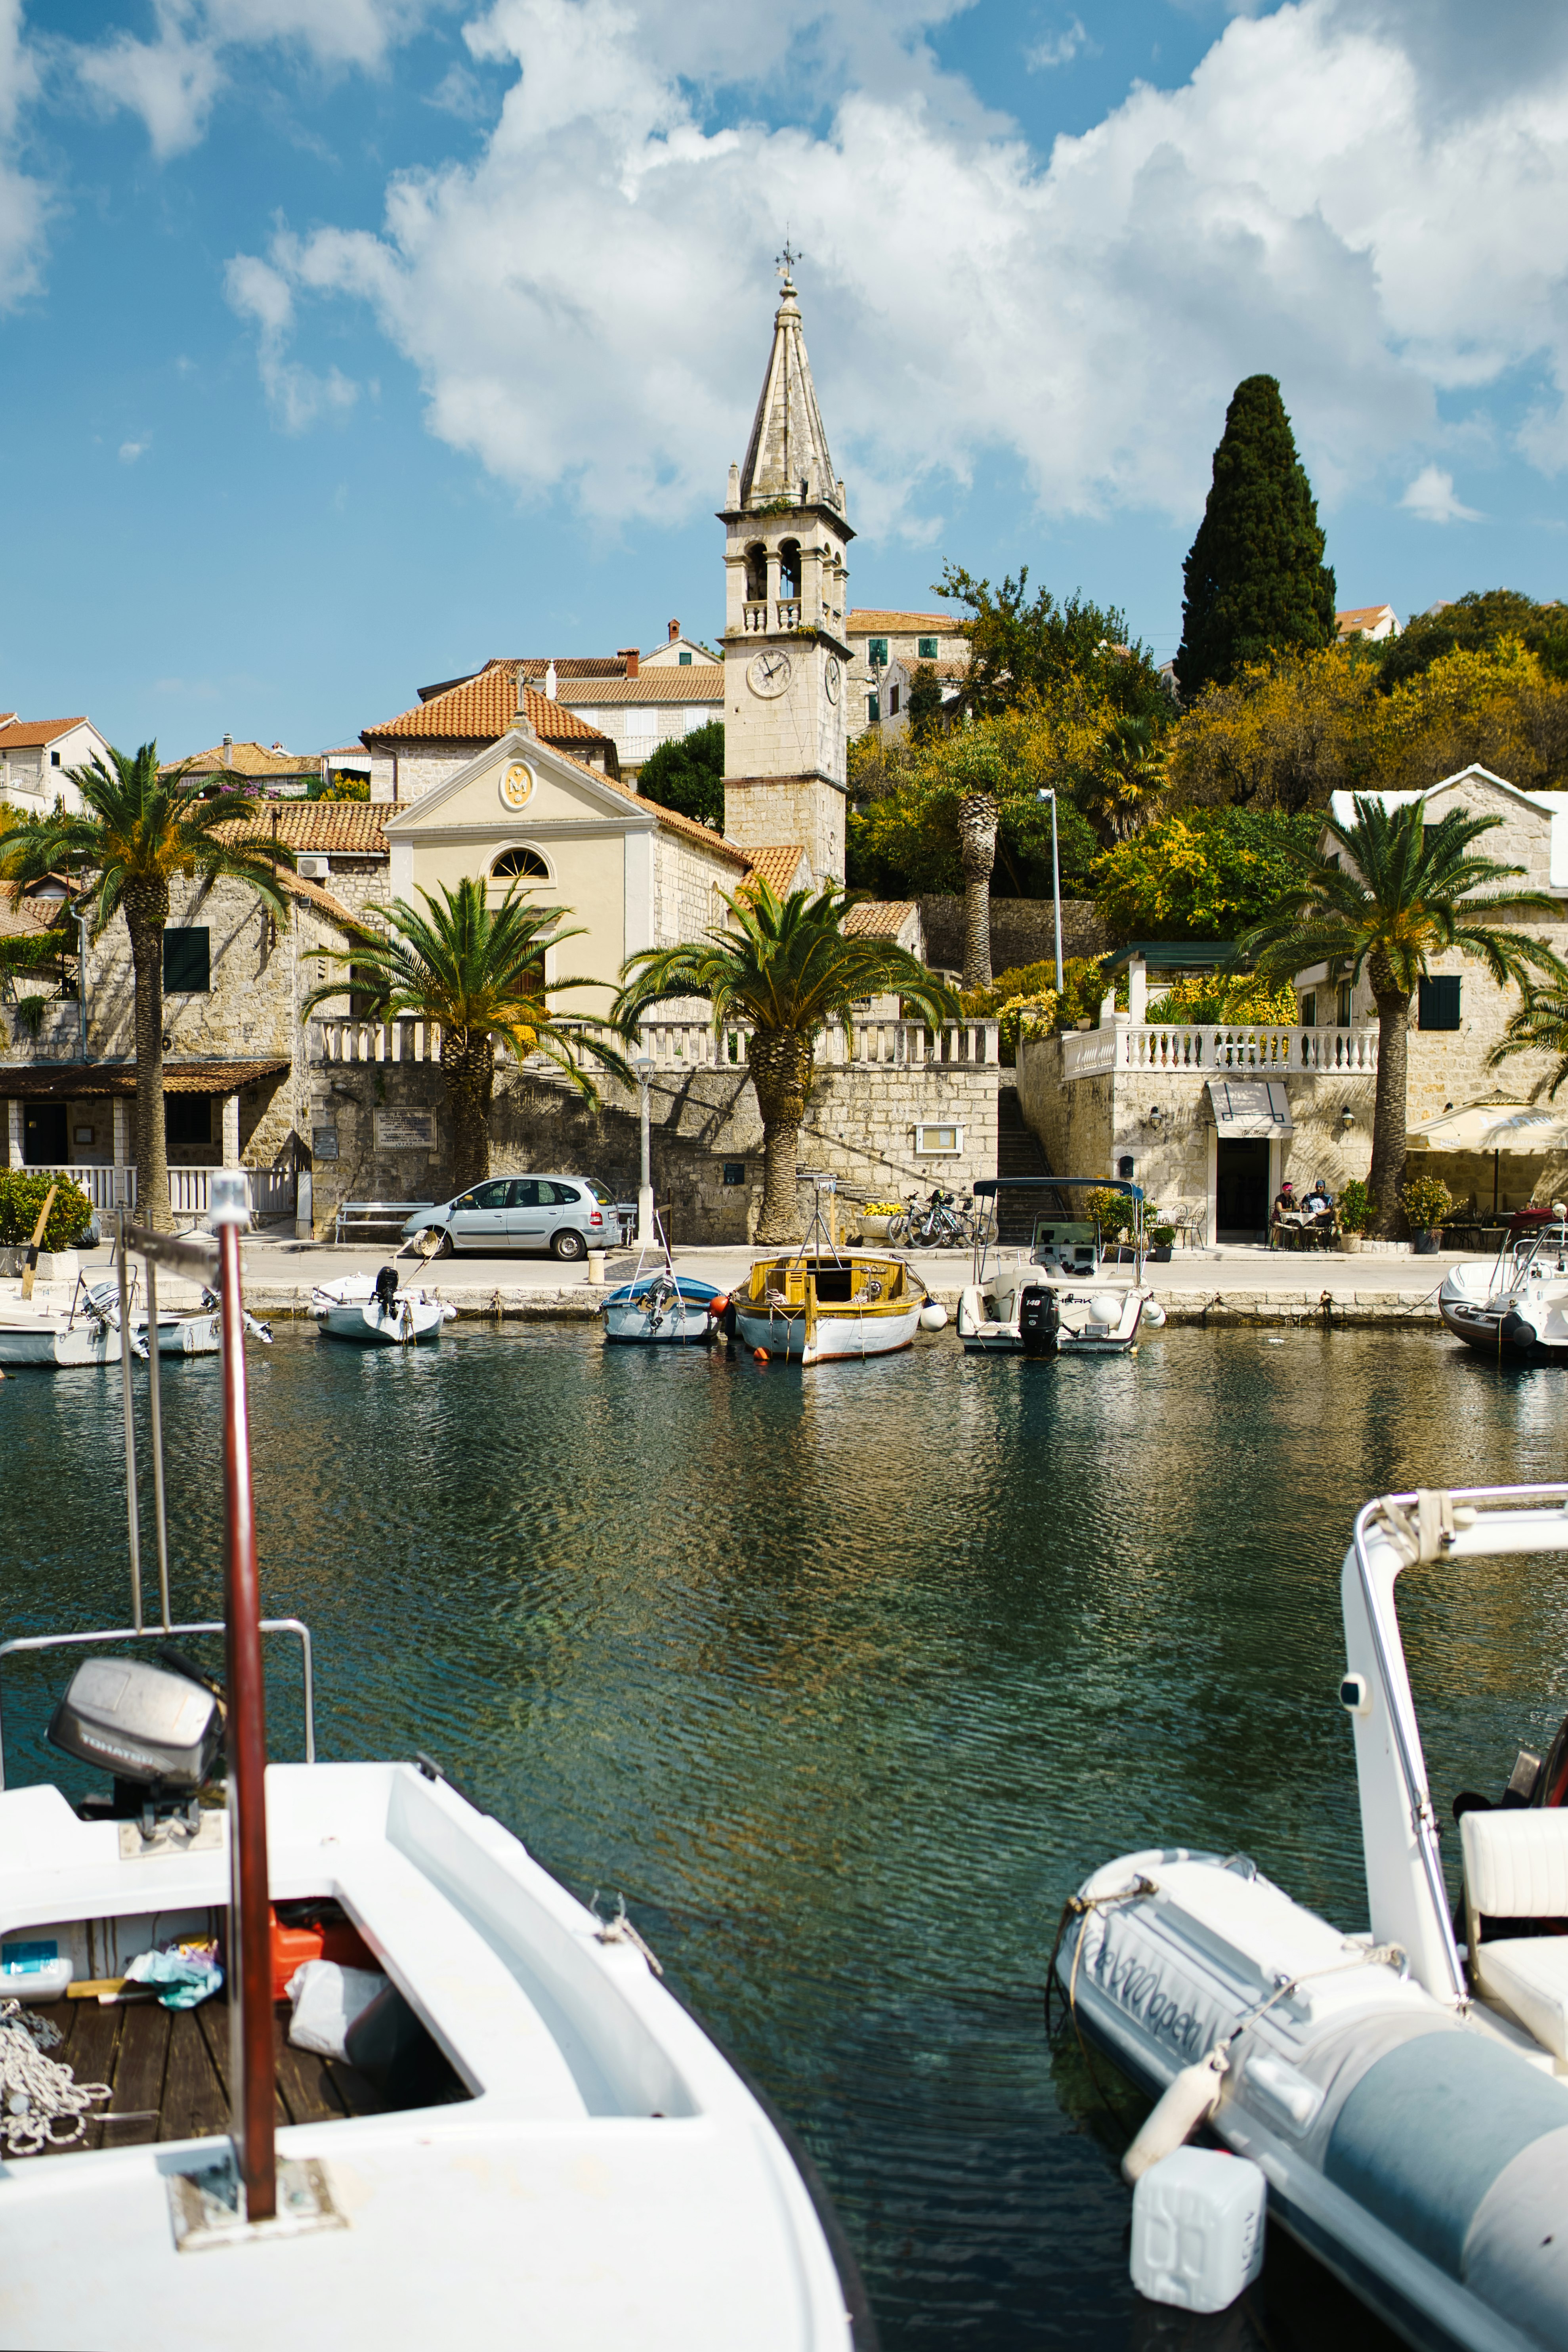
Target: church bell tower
point(785, 653)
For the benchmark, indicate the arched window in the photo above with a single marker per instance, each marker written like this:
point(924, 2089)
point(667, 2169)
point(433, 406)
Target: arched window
point(756, 573)
point(789, 568)
point(525, 865)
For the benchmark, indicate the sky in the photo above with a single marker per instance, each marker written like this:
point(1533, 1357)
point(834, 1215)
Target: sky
point(346, 344)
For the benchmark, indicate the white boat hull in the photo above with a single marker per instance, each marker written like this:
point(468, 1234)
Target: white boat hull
point(350, 1310)
point(51, 1346)
point(676, 1324)
point(609, 2179)
point(837, 1337)
point(989, 1323)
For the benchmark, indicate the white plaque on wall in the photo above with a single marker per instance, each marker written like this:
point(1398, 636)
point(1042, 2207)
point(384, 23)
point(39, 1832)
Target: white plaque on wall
point(406, 1130)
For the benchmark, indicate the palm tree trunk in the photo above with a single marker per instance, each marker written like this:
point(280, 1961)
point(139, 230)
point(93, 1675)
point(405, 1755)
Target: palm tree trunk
point(468, 1072)
point(146, 911)
point(1389, 1103)
point(780, 1066)
point(978, 816)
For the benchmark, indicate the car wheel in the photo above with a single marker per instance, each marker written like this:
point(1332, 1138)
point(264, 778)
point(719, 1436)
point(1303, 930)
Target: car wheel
point(569, 1244)
point(435, 1241)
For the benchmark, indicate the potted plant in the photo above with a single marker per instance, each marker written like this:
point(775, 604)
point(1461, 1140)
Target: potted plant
point(1426, 1201)
point(1355, 1213)
point(875, 1217)
point(1161, 1238)
point(1112, 1214)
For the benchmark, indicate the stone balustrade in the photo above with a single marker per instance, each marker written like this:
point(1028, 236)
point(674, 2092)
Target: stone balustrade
point(680, 1045)
point(1207, 1049)
point(271, 1190)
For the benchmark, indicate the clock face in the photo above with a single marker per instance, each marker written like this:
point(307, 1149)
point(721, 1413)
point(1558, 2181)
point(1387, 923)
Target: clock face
point(516, 784)
point(769, 673)
point(830, 679)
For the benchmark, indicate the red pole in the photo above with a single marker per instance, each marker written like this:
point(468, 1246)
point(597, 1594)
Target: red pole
point(249, 1932)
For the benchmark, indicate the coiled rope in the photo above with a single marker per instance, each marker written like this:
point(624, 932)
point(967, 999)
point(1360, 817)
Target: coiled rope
point(37, 2093)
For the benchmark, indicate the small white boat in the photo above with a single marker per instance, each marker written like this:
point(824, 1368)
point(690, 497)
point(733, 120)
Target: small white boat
point(828, 1305)
point(525, 2138)
point(1405, 2096)
point(52, 1339)
point(661, 1309)
point(1515, 1305)
point(1039, 1306)
point(185, 1332)
point(378, 1314)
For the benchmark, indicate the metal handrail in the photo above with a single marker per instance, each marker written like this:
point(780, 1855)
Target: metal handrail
point(295, 1625)
point(1412, 1764)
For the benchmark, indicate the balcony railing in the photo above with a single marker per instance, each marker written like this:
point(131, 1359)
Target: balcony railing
point(1209, 1047)
point(686, 1045)
point(755, 616)
point(272, 1190)
point(789, 612)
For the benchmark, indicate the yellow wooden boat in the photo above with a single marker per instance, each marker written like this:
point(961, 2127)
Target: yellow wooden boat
point(814, 1307)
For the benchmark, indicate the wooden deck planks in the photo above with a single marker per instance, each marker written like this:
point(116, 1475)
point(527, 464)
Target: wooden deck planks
point(138, 2077)
point(195, 2106)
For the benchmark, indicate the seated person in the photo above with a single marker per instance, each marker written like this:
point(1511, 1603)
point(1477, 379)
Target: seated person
point(1318, 1200)
point(1286, 1214)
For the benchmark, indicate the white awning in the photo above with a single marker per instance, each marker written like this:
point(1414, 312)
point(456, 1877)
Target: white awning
point(1493, 1127)
point(1250, 1107)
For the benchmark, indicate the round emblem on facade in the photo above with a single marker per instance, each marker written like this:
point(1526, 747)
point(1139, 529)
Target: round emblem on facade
point(769, 673)
point(517, 784)
point(830, 679)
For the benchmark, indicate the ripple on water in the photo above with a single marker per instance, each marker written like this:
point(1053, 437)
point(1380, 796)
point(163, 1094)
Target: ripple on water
point(845, 1681)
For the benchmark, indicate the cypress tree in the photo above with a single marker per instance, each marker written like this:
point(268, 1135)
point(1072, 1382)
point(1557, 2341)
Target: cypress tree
point(1256, 579)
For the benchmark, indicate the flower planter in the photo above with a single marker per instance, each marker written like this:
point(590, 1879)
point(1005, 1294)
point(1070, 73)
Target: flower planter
point(874, 1229)
point(1430, 1241)
point(1350, 1243)
point(1161, 1254)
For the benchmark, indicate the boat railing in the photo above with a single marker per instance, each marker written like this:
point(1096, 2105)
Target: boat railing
point(166, 1632)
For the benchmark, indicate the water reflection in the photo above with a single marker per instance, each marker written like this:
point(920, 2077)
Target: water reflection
point(845, 1680)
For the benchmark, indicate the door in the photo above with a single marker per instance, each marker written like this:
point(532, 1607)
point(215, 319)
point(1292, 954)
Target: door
point(529, 1212)
point(478, 1221)
point(1241, 1190)
point(44, 1135)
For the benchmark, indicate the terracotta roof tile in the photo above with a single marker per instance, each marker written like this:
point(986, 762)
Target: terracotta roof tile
point(776, 862)
point(33, 1080)
point(22, 917)
point(878, 918)
point(245, 759)
point(481, 708)
point(699, 682)
point(351, 829)
point(29, 734)
point(868, 624)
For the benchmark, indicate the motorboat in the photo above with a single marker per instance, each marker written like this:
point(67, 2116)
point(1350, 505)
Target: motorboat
point(380, 1313)
point(195, 1332)
point(45, 1334)
point(1404, 2092)
point(501, 2126)
point(1049, 1303)
point(1516, 1304)
point(820, 1306)
point(661, 1308)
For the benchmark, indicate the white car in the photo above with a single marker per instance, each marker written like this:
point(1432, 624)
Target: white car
point(567, 1215)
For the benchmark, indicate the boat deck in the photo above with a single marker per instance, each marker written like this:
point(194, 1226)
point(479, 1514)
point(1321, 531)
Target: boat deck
point(167, 2069)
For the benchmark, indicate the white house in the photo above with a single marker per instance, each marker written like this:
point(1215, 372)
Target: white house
point(35, 754)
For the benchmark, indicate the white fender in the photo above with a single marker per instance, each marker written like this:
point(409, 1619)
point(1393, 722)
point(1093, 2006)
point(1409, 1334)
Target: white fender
point(1187, 2102)
point(933, 1316)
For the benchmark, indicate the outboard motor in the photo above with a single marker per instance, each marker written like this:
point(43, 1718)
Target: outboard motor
point(385, 1293)
point(158, 1733)
point(1040, 1318)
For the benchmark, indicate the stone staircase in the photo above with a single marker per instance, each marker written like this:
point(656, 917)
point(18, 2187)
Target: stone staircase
point(1019, 1153)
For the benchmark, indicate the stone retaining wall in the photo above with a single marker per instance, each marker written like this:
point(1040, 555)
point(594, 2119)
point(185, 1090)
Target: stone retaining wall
point(1022, 932)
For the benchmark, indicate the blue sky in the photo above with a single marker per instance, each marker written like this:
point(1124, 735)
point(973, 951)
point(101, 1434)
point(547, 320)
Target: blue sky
point(348, 342)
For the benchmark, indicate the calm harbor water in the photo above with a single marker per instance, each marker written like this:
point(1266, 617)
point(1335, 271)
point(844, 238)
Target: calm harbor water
point(845, 1681)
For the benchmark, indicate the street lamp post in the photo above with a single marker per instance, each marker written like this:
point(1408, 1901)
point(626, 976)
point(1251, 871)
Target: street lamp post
point(1047, 795)
point(643, 1066)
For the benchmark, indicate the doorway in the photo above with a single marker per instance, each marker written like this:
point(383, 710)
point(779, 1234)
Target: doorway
point(44, 1135)
point(1241, 1190)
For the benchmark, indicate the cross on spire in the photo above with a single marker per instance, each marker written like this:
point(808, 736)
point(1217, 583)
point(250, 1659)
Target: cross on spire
point(786, 260)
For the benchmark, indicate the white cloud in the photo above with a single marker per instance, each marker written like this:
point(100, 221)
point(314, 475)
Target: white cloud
point(1059, 48)
point(131, 450)
point(173, 80)
point(1430, 498)
point(296, 397)
point(584, 304)
point(24, 203)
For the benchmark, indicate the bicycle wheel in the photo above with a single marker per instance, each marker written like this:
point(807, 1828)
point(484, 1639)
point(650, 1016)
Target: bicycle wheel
point(899, 1230)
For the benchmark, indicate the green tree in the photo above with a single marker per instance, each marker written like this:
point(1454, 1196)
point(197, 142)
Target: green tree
point(1200, 874)
point(1394, 891)
point(787, 967)
point(1021, 647)
point(1477, 622)
point(1540, 1026)
point(688, 774)
point(478, 970)
point(925, 703)
point(1255, 580)
point(137, 830)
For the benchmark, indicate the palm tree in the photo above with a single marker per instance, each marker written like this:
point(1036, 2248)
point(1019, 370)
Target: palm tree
point(1405, 890)
point(478, 970)
point(1540, 1026)
point(137, 829)
point(979, 816)
point(787, 967)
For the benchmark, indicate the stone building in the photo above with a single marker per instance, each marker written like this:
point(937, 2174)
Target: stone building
point(886, 650)
point(36, 757)
point(1211, 1117)
point(423, 748)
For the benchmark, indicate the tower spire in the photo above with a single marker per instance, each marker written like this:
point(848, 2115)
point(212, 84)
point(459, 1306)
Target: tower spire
point(788, 449)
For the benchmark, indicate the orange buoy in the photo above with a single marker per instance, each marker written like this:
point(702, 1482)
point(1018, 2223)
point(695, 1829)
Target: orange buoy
point(758, 1355)
point(716, 1306)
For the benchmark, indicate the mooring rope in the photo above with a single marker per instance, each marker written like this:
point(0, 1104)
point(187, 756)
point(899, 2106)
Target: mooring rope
point(37, 2093)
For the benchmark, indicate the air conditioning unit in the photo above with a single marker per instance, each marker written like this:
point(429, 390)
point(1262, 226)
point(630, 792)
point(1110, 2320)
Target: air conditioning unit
point(313, 869)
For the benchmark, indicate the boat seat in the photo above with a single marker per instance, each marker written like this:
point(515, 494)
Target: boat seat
point(1516, 1867)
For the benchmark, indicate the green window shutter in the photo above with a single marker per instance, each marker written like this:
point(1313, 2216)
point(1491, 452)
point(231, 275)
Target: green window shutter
point(927, 649)
point(188, 962)
point(877, 653)
point(1439, 1002)
point(683, 661)
point(873, 708)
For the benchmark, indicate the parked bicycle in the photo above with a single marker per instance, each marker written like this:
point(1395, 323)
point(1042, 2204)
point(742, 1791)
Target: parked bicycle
point(940, 1223)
